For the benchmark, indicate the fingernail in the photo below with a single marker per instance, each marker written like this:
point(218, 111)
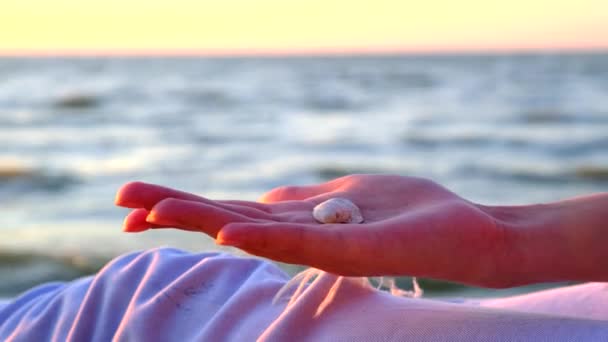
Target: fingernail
point(152, 218)
point(127, 228)
point(226, 242)
point(119, 201)
point(140, 229)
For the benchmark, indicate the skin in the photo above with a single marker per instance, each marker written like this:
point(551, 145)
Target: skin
point(412, 227)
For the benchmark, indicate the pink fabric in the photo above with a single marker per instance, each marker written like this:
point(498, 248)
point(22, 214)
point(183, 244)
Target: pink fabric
point(170, 295)
point(588, 301)
point(338, 308)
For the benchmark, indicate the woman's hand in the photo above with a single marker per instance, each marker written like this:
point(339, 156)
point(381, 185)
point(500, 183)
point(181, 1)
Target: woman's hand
point(412, 227)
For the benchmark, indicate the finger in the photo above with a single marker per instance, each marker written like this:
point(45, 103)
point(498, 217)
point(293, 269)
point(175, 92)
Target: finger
point(338, 248)
point(193, 216)
point(291, 193)
point(286, 193)
point(143, 195)
point(136, 222)
point(256, 205)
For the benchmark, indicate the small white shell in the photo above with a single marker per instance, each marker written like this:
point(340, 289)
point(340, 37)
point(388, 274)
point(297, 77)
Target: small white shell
point(337, 210)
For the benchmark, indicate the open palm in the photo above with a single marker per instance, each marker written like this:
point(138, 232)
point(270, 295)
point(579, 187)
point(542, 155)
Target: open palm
point(412, 227)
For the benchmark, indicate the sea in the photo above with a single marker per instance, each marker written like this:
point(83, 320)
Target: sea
point(496, 129)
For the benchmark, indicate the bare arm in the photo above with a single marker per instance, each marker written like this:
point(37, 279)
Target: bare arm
point(564, 240)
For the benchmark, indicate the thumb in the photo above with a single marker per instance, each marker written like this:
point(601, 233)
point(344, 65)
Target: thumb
point(291, 193)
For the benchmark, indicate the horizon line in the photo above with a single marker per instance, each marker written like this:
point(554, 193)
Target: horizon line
point(294, 52)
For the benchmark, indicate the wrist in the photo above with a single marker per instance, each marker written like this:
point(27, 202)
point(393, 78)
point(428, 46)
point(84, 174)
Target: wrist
point(560, 241)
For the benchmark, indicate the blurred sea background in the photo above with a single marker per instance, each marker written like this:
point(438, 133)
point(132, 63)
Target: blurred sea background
point(496, 129)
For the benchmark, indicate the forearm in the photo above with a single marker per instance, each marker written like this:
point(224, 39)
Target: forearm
point(565, 240)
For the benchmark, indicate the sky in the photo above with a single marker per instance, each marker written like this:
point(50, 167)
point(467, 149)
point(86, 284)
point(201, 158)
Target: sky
point(298, 26)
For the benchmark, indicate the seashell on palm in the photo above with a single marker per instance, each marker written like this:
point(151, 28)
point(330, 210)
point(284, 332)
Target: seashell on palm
point(337, 210)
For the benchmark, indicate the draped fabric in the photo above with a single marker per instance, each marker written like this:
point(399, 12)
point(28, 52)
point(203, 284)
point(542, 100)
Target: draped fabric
point(170, 295)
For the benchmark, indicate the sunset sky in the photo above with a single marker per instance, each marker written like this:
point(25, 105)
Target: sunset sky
point(297, 26)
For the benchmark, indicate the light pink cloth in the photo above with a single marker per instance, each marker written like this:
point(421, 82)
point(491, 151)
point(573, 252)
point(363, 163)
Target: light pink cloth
point(171, 295)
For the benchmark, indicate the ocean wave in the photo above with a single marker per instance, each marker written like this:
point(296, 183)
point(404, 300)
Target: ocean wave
point(394, 80)
point(547, 116)
point(579, 148)
point(331, 172)
point(430, 141)
point(519, 173)
point(214, 98)
point(77, 100)
point(592, 172)
point(560, 141)
point(539, 173)
point(331, 102)
point(20, 271)
point(23, 178)
point(544, 116)
point(12, 172)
